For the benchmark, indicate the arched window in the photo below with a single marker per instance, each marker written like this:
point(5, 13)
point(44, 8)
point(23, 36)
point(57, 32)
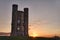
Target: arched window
point(18, 21)
point(18, 28)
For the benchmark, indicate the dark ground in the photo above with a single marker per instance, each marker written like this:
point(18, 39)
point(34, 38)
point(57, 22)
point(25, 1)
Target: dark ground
point(27, 38)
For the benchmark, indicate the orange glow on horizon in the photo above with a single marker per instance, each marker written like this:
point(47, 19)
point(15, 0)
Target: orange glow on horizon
point(41, 32)
point(34, 34)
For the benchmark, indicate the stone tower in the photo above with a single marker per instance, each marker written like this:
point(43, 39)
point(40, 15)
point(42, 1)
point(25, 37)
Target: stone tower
point(19, 26)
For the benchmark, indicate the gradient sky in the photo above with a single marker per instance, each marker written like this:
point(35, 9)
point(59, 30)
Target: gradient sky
point(44, 16)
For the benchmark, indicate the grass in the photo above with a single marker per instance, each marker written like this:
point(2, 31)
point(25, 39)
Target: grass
point(13, 38)
point(27, 38)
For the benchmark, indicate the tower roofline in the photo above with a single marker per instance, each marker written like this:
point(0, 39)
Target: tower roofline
point(20, 11)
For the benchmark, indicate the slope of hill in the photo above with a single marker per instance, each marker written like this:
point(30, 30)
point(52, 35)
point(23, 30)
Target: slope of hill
point(4, 34)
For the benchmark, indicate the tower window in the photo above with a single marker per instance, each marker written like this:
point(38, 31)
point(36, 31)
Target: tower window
point(18, 28)
point(18, 21)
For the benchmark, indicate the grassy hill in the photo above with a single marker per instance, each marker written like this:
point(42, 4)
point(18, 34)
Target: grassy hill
point(26, 38)
point(13, 38)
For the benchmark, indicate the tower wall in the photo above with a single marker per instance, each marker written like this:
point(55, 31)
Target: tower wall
point(26, 21)
point(19, 22)
point(14, 11)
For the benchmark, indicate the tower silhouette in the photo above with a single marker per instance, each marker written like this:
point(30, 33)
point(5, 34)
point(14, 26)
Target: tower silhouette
point(19, 21)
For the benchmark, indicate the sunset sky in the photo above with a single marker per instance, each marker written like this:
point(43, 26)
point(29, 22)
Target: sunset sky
point(44, 16)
